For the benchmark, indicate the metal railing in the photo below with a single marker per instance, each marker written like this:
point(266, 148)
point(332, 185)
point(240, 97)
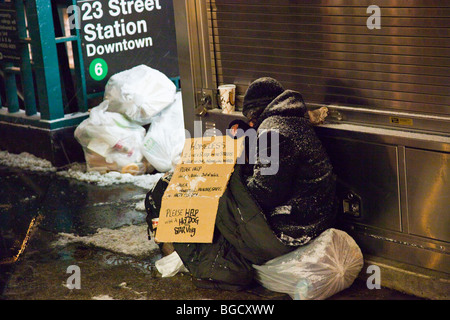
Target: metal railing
point(39, 87)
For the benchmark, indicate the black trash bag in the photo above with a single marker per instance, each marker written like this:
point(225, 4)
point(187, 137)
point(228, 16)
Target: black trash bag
point(153, 201)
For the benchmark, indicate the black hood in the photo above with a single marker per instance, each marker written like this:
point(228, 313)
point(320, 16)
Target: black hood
point(288, 104)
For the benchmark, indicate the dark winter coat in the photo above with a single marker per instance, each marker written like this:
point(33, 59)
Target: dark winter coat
point(299, 199)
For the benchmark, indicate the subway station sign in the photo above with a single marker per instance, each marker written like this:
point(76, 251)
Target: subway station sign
point(120, 34)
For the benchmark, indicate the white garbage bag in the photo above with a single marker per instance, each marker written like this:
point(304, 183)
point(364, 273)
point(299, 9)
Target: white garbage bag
point(170, 265)
point(139, 93)
point(164, 141)
point(325, 266)
point(111, 142)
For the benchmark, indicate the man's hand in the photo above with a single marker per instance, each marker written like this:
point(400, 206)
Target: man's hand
point(318, 116)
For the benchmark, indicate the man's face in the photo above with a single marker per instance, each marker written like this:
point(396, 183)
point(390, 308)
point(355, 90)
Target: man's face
point(253, 115)
point(252, 122)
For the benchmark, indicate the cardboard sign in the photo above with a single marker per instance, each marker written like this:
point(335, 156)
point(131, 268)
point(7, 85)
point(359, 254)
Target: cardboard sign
point(190, 202)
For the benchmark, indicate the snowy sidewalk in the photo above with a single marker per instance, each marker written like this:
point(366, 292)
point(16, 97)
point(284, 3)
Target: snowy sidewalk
point(93, 221)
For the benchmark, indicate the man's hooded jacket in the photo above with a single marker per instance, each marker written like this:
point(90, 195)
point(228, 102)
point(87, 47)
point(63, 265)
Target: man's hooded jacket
point(298, 200)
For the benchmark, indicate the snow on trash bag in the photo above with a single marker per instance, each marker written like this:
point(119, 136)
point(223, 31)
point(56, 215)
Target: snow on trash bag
point(325, 266)
point(164, 141)
point(139, 93)
point(111, 142)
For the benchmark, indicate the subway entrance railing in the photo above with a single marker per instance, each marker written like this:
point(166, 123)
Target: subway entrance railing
point(42, 73)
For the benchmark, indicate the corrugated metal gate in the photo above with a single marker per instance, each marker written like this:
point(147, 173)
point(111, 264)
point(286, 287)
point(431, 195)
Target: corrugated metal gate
point(325, 50)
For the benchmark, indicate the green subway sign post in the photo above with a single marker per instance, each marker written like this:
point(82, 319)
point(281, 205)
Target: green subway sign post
point(120, 34)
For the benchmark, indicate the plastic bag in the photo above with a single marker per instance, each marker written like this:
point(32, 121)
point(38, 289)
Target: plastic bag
point(139, 93)
point(111, 142)
point(325, 266)
point(164, 141)
point(170, 265)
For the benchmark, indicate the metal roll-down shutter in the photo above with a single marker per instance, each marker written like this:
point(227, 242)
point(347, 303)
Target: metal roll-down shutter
point(325, 50)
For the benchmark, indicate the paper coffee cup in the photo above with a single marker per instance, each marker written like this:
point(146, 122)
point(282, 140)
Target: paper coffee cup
point(154, 226)
point(155, 223)
point(227, 95)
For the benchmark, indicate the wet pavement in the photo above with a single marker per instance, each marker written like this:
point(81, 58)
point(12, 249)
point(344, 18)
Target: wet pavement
point(35, 208)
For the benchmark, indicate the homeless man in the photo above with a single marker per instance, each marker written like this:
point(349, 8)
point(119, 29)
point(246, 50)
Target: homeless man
point(262, 216)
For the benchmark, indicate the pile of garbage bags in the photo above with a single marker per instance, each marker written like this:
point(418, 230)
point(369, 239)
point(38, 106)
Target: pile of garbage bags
point(114, 137)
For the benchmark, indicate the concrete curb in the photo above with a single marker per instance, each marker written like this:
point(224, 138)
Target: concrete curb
point(417, 281)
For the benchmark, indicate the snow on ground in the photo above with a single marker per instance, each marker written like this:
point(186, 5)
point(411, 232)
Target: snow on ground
point(128, 240)
point(78, 171)
point(102, 297)
point(27, 161)
point(123, 286)
point(140, 206)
